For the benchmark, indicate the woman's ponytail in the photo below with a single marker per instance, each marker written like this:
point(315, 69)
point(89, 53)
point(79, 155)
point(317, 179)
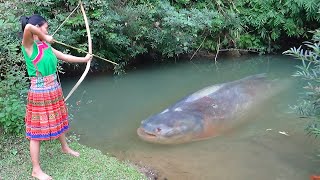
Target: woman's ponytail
point(24, 21)
point(35, 19)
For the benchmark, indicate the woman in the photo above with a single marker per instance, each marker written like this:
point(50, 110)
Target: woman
point(46, 114)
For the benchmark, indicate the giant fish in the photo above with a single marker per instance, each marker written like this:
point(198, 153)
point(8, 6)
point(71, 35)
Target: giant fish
point(209, 111)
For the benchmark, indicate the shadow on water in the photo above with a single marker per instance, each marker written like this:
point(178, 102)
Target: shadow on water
point(112, 109)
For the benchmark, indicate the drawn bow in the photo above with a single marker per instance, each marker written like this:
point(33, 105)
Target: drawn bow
point(84, 74)
point(89, 48)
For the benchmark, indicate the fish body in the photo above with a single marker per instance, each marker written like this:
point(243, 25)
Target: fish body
point(209, 111)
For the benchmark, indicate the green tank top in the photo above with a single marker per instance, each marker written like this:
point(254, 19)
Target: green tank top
point(42, 62)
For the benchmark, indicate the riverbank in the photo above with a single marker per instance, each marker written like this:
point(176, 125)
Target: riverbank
point(92, 164)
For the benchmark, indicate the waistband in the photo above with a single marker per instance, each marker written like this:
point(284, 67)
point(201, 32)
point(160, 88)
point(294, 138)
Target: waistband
point(44, 81)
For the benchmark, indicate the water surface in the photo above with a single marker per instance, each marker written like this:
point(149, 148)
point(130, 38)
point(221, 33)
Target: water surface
point(110, 110)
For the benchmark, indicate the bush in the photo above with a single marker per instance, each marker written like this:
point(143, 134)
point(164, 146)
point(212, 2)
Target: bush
point(176, 31)
point(309, 71)
point(13, 84)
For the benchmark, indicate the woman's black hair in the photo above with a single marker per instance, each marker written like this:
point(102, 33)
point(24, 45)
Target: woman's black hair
point(35, 19)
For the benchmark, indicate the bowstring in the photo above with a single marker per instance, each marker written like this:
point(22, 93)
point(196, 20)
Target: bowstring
point(66, 19)
point(57, 31)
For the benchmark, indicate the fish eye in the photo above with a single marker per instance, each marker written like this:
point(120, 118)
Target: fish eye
point(214, 105)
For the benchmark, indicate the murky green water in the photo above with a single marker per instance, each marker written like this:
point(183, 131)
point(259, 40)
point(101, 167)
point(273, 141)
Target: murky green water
point(111, 109)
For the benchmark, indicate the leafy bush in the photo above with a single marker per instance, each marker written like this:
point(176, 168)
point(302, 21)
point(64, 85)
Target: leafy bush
point(177, 31)
point(309, 71)
point(13, 83)
point(273, 21)
point(123, 30)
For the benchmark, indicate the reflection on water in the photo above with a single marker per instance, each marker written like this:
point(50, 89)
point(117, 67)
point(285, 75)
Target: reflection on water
point(112, 109)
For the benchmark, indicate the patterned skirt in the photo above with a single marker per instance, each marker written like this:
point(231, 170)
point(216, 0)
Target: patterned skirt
point(46, 114)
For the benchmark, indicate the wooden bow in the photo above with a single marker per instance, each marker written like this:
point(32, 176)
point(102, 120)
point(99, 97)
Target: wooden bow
point(89, 50)
point(89, 47)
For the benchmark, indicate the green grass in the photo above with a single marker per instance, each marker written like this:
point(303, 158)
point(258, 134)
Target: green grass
point(15, 162)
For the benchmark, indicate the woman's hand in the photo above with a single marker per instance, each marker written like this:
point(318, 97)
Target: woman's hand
point(49, 39)
point(88, 57)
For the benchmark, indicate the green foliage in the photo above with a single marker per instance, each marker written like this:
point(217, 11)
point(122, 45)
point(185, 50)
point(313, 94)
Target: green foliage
point(124, 30)
point(177, 31)
point(267, 20)
point(256, 24)
point(13, 83)
point(309, 71)
point(12, 94)
point(133, 30)
point(272, 20)
point(248, 40)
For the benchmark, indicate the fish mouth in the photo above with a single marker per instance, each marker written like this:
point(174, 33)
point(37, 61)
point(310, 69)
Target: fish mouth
point(146, 135)
point(154, 138)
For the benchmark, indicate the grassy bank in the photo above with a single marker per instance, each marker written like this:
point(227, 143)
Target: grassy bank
point(92, 164)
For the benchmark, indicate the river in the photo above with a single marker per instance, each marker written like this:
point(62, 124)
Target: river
point(107, 110)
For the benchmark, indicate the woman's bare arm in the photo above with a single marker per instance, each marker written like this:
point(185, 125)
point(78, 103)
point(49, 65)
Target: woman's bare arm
point(31, 30)
point(28, 33)
point(71, 58)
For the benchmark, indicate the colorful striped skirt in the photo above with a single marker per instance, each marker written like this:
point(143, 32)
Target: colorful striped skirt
point(46, 114)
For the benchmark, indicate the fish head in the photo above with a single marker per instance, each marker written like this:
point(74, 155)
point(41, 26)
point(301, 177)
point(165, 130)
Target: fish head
point(170, 127)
